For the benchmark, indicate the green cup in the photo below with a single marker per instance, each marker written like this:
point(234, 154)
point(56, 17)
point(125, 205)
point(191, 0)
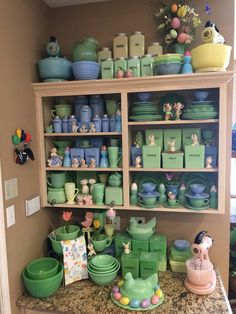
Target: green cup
point(148, 201)
point(62, 110)
point(173, 202)
point(101, 243)
point(114, 156)
point(98, 193)
point(198, 202)
point(57, 179)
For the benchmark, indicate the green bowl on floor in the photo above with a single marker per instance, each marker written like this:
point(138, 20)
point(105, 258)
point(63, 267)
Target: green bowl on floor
point(103, 260)
point(42, 268)
point(56, 245)
point(103, 279)
point(62, 234)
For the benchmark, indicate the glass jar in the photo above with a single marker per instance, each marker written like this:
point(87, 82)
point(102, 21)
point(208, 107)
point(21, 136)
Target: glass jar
point(146, 65)
point(103, 54)
point(134, 65)
point(155, 49)
point(120, 46)
point(136, 44)
point(107, 69)
point(120, 63)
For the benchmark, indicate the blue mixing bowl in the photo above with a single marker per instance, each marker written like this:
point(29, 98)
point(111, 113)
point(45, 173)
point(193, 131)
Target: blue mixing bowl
point(86, 70)
point(167, 68)
point(54, 68)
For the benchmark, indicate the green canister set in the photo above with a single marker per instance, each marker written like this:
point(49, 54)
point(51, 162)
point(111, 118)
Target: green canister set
point(128, 55)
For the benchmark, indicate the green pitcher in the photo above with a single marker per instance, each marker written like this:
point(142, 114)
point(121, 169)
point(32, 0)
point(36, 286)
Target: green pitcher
point(85, 50)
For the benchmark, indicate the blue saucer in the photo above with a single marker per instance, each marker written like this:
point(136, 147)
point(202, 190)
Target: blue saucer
point(200, 195)
point(153, 194)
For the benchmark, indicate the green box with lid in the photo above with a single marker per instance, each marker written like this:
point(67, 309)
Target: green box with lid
point(158, 243)
point(172, 160)
point(148, 264)
point(115, 194)
point(130, 263)
point(180, 256)
point(194, 156)
point(171, 135)
point(158, 135)
point(177, 267)
point(121, 238)
point(140, 245)
point(151, 156)
point(187, 133)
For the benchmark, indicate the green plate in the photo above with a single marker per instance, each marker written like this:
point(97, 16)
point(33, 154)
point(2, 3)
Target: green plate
point(197, 116)
point(141, 178)
point(145, 103)
point(147, 117)
point(149, 206)
point(143, 111)
point(169, 206)
point(202, 103)
point(196, 208)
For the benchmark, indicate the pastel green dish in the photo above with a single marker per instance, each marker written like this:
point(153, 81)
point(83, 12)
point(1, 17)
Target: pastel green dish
point(42, 268)
point(145, 234)
point(95, 271)
point(102, 270)
point(147, 117)
point(103, 260)
point(56, 245)
point(62, 234)
point(45, 287)
point(62, 144)
point(101, 279)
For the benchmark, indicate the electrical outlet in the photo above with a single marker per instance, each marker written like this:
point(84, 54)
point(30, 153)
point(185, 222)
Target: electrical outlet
point(116, 222)
point(140, 220)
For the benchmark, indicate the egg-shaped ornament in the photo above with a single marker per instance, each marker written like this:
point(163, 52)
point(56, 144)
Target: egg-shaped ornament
point(155, 299)
point(159, 293)
point(174, 8)
point(23, 136)
point(175, 23)
point(120, 283)
point(124, 301)
point(115, 289)
point(173, 33)
point(117, 296)
point(134, 303)
point(145, 303)
point(18, 132)
point(181, 39)
point(28, 137)
point(15, 139)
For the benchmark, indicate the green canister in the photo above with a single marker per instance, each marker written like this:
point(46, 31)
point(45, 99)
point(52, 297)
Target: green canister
point(120, 63)
point(104, 53)
point(146, 65)
point(134, 65)
point(107, 69)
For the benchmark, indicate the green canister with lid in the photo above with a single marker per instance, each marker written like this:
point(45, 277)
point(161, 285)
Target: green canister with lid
point(120, 63)
point(146, 63)
point(104, 53)
point(107, 69)
point(134, 65)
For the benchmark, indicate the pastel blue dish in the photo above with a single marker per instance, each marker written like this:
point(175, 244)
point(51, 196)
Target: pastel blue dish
point(146, 195)
point(197, 196)
point(86, 70)
point(201, 95)
point(145, 96)
point(54, 69)
point(167, 68)
point(148, 187)
point(181, 245)
point(197, 188)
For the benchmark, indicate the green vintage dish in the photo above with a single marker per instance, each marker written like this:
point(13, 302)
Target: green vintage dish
point(148, 206)
point(146, 117)
point(45, 287)
point(199, 178)
point(42, 268)
point(62, 144)
point(172, 206)
point(104, 271)
point(202, 103)
point(197, 208)
point(137, 111)
point(145, 235)
point(144, 103)
point(103, 279)
point(108, 268)
point(200, 116)
point(61, 233)
point(56, 245)
point(103, 260)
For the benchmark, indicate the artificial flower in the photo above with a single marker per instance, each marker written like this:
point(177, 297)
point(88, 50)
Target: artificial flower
point(66, 216)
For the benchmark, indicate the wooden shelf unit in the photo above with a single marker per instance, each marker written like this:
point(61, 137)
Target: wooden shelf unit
point(45, 94)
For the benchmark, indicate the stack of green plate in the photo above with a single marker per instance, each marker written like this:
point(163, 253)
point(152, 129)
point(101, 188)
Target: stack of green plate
point(200, 110)
point(145, 111)
point(168, 58)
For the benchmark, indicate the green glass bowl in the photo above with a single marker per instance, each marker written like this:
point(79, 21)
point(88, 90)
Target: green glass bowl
point(62, 144)
point(103, 271)
point(56, 245)
point(42, 268)
point(62, 235)
point(102, 279)
point(142, 235)
point(45, 287)
point(103, 260)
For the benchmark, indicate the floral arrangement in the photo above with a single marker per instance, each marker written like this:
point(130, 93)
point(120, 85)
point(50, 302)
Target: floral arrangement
point(97, 229)
point(178, 23)
point(171, 178)
point(66, 216)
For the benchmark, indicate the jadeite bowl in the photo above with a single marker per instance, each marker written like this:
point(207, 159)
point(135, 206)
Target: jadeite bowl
point(62, 144)
point(211, 57)
point(86, 70)
point(56, 245)
point(197, 188)
point(42, 268)
point(103, 271)
point(103, 279)
point(54, 68)
point(167, 68)
point(142, 235)
point(103, 260)
point(61, 233)
point(45, 287)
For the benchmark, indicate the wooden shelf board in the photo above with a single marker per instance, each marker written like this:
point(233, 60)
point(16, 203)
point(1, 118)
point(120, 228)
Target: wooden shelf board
point(173, 169)
point(94, 206)
point(83, 134)
point(81, 169)
point(176, 122)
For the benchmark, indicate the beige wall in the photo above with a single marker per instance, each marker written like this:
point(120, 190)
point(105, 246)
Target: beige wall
point(23, 33)
point(103, 20)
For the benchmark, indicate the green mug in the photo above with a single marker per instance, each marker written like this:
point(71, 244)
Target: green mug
point(173, 202)
point(98, 193)
point(148, 201)
point(56, 179)
point(198, 202)
point(62, 110)
point(101, 243)
point(114, 156)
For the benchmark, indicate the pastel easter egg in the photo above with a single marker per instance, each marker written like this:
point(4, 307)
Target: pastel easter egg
point(145, 303)
point(182, 38)
point(174, 8)
point(159, 293)
point(134, 303)
point(124, 301)
point(175, 23)
point(117, 296)
point(173, 33)
point(120, 283)
point(115, 289)
point(155, 299)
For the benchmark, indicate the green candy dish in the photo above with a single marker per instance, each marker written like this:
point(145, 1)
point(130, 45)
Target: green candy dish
point(138, 294)
point(141, 231)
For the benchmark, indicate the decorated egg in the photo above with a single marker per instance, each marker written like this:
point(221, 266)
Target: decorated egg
point(155, 299)
point(159, 293)
point(182, 38)
point(115, 289)
point(15, 139)
point(117, 296)
point(145, 303)
point(173, 33)
point(23, 136)
point(175, 23)
point(120, 283)
point(174, 8)
point(124, 301)
point(134, 303)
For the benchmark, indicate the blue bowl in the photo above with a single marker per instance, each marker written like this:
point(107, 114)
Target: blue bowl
point(145, 96)
point(201, 95)
point(181, 245)
point(86, 70)
point(167, 68)
point(54, 68)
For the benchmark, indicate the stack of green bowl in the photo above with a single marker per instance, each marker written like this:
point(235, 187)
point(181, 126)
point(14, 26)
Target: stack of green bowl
point(42, 277)
point(170, 63)
point(103, 269)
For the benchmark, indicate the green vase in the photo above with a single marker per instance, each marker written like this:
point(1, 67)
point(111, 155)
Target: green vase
point(85, 50)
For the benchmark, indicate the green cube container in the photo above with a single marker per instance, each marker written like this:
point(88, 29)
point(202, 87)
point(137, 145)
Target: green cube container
point(140, 245)
point(194, 156)
point(158, 134)
point(172, 160)
point(178, 267)
point(113, 194)
point(170, 135)
point(162, 263)
point(130, 263)
point(187, 133)
point(148, 264)
point(158, 243)
point(151, 156)
point(180, 256)
point(121, 238)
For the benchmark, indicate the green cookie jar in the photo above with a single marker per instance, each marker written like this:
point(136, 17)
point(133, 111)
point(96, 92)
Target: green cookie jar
point(85, 50)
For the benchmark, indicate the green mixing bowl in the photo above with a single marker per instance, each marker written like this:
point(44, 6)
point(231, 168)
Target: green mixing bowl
point(102, 279)
point(62, 144)
point(42, 268)
point(45, 287)
point(103, 260)
point(56, 245)
point(62, 235)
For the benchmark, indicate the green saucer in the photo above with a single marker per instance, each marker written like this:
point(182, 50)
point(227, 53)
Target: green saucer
point(150, 206)
point(201, 116)
point(169, 206)
point(197, 208)
point(144, 103)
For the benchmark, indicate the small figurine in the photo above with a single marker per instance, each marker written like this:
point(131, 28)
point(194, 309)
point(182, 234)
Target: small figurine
point(209, 162)
point(211, 34)
point(151, 140)
point(119, 73)
point(88, 199)
point(74, 127)
point(171, 146)
point(91, 182)
point(88, 220)
point(92, 163)
point(126, 247)
point(182, 192)
point(178, 106)
point(49, 129)
point(83, 163)
point(201, 245)
point(75, 163)
point(138, 162)
point(118, 121)
point(167, 109)
point(55, 160)
point(80, 200)
point(91, 250)
point(92, 127)
point(134, 194)
point(128, 73)
point(162, 191)
point(67, 158)
point(194, 139)
point(85, 188)
point(83, 128)
point(171, 196)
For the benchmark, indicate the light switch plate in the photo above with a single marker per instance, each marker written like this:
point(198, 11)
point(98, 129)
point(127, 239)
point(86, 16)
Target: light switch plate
point(11, 188)
point(11, 220)
point(32, 206)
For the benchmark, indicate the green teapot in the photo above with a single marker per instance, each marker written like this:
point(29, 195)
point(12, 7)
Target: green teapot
point(85, 50)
